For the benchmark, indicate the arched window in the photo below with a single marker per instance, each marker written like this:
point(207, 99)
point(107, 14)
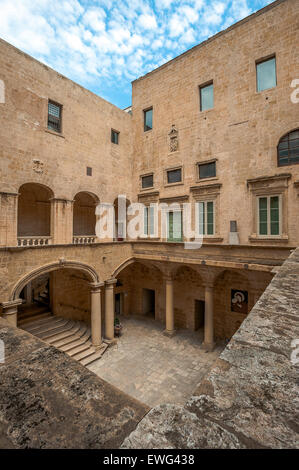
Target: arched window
point(288, 149)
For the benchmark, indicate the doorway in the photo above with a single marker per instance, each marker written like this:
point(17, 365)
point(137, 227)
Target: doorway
point(199, 314)
point(119, 304)
point(148, 302)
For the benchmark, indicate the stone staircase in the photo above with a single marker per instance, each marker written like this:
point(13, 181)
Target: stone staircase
point(72, 337)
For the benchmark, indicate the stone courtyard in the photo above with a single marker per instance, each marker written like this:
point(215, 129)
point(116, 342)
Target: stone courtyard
point(152, 368)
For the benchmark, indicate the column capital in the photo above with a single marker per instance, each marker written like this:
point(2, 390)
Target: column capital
point(168, 277)
point(110, 283)
point(62, 200)
point(209, 285)
point(96, 286)
point(11, 305)
point(7, 194)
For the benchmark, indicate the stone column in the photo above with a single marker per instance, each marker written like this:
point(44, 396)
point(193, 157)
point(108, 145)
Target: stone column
point(208, 343)
point(61, 221)
point(8, 219)
point(169, 331)
point(10, 311)
point(96, 317)
point(109, 308)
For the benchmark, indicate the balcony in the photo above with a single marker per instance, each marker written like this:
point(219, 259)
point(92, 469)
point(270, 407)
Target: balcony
point(34, 241)
point(84, 239)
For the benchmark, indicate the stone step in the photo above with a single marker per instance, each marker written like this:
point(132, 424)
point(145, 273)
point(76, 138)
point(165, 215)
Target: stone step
point(65, 342)
point(95, 356)
point(75, 350)
point(71, 337)
point(32, 311)
point(54, 334)
point(72, 343)
point(49, 333)
point(45, 326)
point(66, 334)
point(41, 321)
point(31, 318)
point(84, 354)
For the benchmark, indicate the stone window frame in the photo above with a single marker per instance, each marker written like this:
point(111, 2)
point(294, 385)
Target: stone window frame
point(205, 202)
point(209, 193)
point(60, 106)
point(260, 61)
point(200, 87)
point(147, 199)
point(276, 185)
point(150, 188)
point(113, 131)
point(177, 183)
point(205, 162)
point(144, 111)
point(268, 196)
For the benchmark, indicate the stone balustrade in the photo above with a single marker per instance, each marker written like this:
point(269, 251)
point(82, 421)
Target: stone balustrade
point(84, 239)
point(34, 241)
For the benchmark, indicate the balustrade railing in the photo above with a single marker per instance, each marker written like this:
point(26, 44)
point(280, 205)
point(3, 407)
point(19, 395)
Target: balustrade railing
point(34, 241)
point(84, 239)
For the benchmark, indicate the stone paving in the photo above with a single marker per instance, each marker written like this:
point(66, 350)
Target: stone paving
point(153, 368)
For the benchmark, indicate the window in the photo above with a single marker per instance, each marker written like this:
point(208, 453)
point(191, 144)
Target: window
point(206, 217)
point(207, 170)
point(288, 149)
point(149, 220)
point(206, 97)
point(148, 119)
point(54, 116)
point(114, 136)
point(266, 74)
point(89, 171)
point(269, 215)
point(175, 226)
point(174, 176)
point(147, 181)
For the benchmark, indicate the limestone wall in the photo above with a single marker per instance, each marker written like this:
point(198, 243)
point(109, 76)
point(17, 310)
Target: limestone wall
point(31, 153)
point(241, 132)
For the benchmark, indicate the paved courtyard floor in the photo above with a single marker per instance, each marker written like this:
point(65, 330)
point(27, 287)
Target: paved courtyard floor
point(153, 368)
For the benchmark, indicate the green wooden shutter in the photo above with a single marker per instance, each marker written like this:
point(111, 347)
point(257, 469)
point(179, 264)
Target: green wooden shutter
point(145, 213)
point(263, 213)
point(210, 218)
point(274, 215)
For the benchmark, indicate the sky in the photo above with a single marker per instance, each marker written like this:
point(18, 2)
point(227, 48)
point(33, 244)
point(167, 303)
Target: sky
point(105, 44)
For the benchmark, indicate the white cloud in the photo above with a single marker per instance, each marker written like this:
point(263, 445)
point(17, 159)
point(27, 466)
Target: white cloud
point(94, 42)
point(147, 21)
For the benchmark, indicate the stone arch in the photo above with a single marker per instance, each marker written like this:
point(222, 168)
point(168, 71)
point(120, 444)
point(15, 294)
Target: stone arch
point(84, 217)
point(34, 210)
point(88, 270)
point(122, 266)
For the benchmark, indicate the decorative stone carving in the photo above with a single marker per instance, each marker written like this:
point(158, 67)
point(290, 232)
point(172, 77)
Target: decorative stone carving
point(38, 166)
point(173, 139)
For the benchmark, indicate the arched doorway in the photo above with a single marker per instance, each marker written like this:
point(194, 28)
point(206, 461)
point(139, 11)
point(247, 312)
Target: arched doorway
point(34, 214)
point(84, 217)
point(139, 290)
point(71, 318)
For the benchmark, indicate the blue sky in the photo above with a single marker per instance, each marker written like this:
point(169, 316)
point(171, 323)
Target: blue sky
point(105, 44)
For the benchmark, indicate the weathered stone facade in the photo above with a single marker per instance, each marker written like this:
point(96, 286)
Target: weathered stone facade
point(51, 182)
point(248, 400)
